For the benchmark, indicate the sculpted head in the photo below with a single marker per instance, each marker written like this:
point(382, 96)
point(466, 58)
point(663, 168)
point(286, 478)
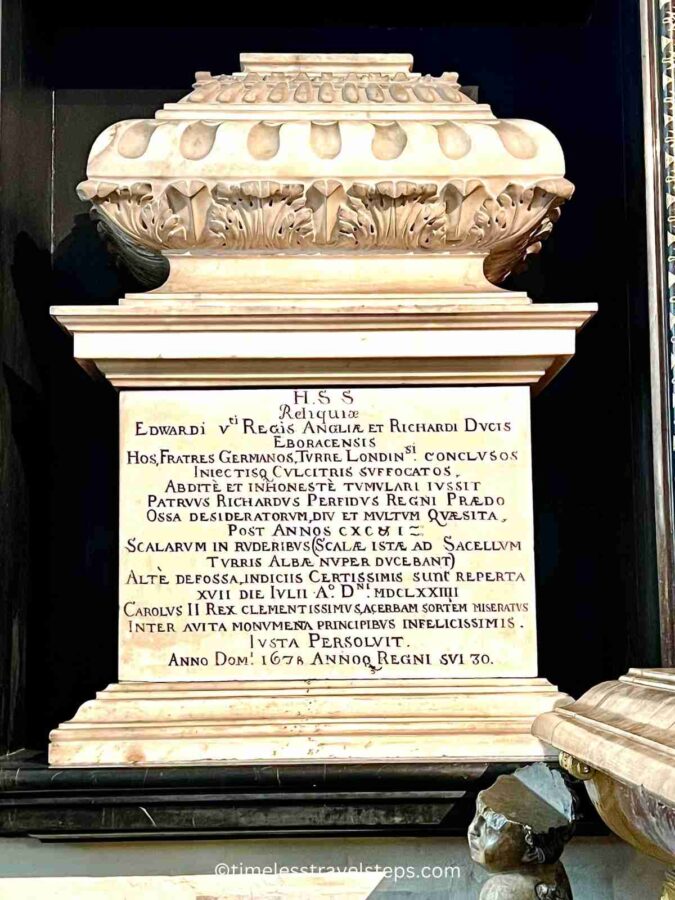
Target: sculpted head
point(496, 843)
point(524, 819)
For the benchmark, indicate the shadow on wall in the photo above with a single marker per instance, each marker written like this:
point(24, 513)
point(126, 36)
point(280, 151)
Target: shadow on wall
point(66, 438)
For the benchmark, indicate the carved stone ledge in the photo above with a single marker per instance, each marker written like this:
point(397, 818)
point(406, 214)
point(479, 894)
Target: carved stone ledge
point(264, 342)
point(153, 723)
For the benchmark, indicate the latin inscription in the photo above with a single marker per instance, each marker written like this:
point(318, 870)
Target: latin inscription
point(338, 533)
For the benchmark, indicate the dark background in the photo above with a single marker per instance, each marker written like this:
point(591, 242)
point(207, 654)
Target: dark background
point(574, 66)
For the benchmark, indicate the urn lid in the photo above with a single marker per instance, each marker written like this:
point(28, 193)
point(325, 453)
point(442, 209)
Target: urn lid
point(625, 730)
point(355, 115)
point(328, 85)
point(312, 152)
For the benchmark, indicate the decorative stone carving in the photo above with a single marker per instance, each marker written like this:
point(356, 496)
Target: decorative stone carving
point(399, 215)
point(336, 86)
point(514, 224)
point(520, 829)
point(268, 215)
point(575, 767)
point(149, 267)
point(261, 215)
point(619, 738)
point(297, 154)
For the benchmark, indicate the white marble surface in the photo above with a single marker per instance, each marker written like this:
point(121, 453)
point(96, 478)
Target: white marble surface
point(316, 153)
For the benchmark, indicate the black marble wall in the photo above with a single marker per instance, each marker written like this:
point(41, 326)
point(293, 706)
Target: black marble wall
point(574, 67)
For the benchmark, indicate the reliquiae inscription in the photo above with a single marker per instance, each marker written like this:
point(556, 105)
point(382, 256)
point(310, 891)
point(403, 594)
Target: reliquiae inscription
point(338, 533)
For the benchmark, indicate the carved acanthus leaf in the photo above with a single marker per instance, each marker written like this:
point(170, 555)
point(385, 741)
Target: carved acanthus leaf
point(399, 215)
point(457, 218)
point(147, 266)
point(511, 225)
point(150, 219)
point(262, 215)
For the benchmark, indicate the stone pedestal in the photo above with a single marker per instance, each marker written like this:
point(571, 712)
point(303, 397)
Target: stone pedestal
point(326, 542)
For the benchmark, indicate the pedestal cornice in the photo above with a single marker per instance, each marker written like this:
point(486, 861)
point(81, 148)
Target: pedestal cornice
point(312, 341)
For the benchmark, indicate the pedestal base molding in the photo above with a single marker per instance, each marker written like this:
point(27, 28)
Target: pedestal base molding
point(199, 723)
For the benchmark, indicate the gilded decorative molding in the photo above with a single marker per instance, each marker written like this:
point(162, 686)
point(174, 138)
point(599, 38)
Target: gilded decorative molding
point(667, 65)
point(667, 60)
point(658, 69)
point(576, 768)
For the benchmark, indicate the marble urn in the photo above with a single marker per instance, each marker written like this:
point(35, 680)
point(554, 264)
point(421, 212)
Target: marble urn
point(327, 175)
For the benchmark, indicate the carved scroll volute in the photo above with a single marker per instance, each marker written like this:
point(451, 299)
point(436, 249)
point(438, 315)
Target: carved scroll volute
point(526, 217)
point(508, 226)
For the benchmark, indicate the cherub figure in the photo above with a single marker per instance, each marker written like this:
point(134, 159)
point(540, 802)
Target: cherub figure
point(520, 829)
